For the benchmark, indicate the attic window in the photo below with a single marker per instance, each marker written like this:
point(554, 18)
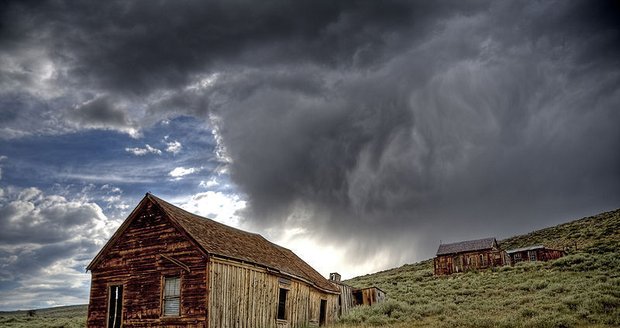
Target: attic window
point(282, 304)
point(172, 296)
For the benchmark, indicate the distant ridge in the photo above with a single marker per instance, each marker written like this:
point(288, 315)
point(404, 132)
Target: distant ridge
point(581, 289)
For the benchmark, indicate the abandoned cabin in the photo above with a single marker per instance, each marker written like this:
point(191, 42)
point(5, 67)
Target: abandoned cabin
point(350, 296)
point(167, 267)
point(467, 255)
point(533, 253)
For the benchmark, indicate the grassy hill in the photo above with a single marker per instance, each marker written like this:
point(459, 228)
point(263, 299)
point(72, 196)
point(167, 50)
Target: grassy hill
point(578, 290)
point(56, 317)
point(581, 289)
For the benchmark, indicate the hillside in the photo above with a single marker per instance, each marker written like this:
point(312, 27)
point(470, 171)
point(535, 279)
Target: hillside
point(578, 290)
point(62, 316)
point(581, 289)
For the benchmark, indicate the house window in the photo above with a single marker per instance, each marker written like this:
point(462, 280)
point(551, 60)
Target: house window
point(532, 255)
point(115, 306)
point(282, 304)
point(172, 296)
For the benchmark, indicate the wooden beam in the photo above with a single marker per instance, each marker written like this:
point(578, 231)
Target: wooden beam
point(177, 262)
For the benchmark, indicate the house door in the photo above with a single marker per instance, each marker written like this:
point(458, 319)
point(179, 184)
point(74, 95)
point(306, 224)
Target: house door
point(115, 306)
point(322, 313)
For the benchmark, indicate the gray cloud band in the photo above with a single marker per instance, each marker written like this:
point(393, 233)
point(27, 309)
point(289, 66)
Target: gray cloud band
point(375, 120)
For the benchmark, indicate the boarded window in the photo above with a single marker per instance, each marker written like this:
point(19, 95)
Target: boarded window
point(172, 296)
point(282, 304)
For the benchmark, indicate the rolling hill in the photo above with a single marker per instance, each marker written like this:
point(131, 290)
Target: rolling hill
point(581, 289)
point(72, 316)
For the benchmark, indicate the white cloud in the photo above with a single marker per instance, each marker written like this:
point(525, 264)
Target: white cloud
point(180, 171)
point(215, 205)
point(47, 240)
point(212, 182)
point(173, 147)
point(143, 151)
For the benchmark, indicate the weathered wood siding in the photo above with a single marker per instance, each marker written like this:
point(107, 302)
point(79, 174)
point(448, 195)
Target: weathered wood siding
point(136, 262)
point(246, 296)
point(345, 299)
point(453, 263)
point(542, 254)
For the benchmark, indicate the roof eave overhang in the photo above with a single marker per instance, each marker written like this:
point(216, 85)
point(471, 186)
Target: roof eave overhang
point(275, 271)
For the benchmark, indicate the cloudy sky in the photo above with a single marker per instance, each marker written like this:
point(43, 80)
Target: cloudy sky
point(359, 134)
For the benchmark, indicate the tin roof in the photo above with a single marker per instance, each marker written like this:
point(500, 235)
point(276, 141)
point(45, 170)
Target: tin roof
point(466, 246)
point(522, 249)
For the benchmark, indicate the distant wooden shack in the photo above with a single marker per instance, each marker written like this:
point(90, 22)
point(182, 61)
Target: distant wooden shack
point(533, 253)
point(350, 296)
point(468, 255)
point(345, 299)
point(167, 267)
point(368, 296)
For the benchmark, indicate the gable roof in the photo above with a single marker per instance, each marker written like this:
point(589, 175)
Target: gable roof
point(221, 240)
point(466, 246)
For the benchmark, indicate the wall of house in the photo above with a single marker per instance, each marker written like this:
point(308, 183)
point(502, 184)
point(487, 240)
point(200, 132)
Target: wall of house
point(243, 295)
point(453, 263)
point(135, 261)
point(542, 254)
point(345, 299)
point(551, 254)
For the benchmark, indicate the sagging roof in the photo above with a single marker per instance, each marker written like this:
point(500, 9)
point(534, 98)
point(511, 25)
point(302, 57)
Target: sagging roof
point(221, 240)
point(466, 246)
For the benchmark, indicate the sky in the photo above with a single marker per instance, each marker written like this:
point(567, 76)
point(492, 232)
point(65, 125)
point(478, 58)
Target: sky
point(359, 134)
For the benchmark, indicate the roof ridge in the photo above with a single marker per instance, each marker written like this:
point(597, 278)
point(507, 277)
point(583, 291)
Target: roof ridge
point(159, 201)
point(222, 240)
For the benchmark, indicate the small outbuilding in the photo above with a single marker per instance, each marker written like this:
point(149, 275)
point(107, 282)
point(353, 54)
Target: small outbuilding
point(167, 267)
point(467, 255)
point(533, 253)
point(350, 296)
point(368, 295)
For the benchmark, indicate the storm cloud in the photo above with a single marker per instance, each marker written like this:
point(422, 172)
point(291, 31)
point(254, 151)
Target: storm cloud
point(47, 240)
point(375, 128)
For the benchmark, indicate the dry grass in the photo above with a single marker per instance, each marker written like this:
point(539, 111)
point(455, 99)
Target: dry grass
point(579, 290)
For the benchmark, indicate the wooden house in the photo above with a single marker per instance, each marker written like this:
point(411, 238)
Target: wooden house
point(468, 255)
point(345, 299)
point(168, 267)
point(368, 296)
point(350, 296)
point(533, 253)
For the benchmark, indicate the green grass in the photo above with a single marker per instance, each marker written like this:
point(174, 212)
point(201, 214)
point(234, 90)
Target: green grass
point(578, 290)
point(56, 317)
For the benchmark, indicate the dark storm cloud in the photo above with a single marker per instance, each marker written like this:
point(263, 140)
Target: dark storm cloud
point(137, 47)
point(383, 122)
point(99, 112)
point(496, 120)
